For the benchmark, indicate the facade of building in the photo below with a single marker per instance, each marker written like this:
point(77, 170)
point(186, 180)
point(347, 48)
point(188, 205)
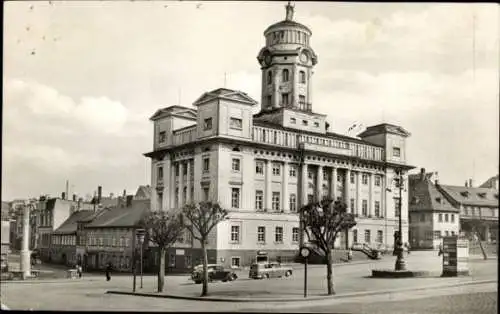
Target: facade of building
point(432, 215)
point(252, 164)
point(491, 183)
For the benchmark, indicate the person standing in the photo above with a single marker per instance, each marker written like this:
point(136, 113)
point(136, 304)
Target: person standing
point(79, 270)
point(108, 271)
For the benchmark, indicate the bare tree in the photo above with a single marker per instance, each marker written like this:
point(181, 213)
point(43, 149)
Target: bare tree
point(200, 219)
point(476, 225)
point(322, 223)
point(163, 229)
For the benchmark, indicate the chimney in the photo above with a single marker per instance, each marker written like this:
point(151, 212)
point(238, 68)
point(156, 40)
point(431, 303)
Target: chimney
point(422, 174)
point(129, 200)
point(471, 183)
point(436, 182)
point(74, 197)
point(111, 195)
point(99, 194)
point(63, 195)
point(466, 183)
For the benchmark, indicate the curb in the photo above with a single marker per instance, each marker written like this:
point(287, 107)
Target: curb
point(312, 298)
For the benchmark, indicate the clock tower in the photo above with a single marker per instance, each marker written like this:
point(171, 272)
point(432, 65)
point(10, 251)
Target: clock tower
point(287, 63)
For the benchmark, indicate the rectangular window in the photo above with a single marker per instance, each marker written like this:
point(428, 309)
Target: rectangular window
point(235, 233)
point(310, 198)
point(259, 200)
point(440, 217)
point(177, 169)
point(339, 178)
point(276, 169)
point(377, 180)
point(269, 101)
point(352, 205)
point(355, 236)
point(364, 207)
point(235, 123)
point(278, 236)
point(205, 194)
point(206, 165)
point(261, 234)
point(236, 164)
point(293, 120)
point(446, 233)
point(259, 167)
point(162, 136)
point(325, 176)
point(302, 102)
point(235, 262)
point(185, 170)
point(367, 236)
point(292, 171)
point(160, 173)
point(285, 99)
point(452, 217)
point(295, 234)
point(351, 178)
point(293, 203)
point(276, 201)
point(207, 124)
point(171, 260)
point(377, 209)
point(316, 124)
point(304, 122)
point(453, 233)
point(235, 197)
point(422, 217)
point(437, 234)
point(380, 236)
point(188, 261)
point(364, 178)
point(445, 217)
point(396, 152)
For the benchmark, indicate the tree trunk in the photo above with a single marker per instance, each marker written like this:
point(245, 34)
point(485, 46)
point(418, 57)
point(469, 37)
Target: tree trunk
point(161, 272)
point(481, 245)
point(205, 272)
point(329, 272)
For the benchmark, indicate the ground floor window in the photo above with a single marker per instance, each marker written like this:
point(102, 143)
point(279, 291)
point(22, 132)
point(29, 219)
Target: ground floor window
point(437, 234)
point(367, 236)
point(188, 261)
point(171, 260)
point(355, 236)
point(380, 236)
point(235, 261)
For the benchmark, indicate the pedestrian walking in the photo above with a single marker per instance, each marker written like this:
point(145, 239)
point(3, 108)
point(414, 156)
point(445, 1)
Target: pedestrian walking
point(109, 267)
point(440, 250)
point(349, 255)
point(407, 245)
point(79, 270)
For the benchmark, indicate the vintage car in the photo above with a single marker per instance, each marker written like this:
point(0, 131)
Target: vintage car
point(269, 270)
point(215, 273)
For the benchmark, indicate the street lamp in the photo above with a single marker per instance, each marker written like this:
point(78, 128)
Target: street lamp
point(140, 237)
point(304, 252)
point(398, 236)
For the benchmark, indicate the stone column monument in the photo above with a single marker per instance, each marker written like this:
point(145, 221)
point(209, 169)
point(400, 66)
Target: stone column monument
point(25, 249)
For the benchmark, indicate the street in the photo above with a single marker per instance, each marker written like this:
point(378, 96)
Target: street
point(350, 280)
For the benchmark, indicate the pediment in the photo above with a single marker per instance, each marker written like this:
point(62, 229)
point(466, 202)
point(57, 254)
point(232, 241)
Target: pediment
point(227, 94)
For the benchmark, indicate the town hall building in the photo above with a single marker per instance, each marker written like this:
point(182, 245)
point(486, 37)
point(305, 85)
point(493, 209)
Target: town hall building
point(262, 168)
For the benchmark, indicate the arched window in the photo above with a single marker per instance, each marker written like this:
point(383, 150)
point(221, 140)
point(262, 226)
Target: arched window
point(286, 75)
point(302, 77)
point(269, 77)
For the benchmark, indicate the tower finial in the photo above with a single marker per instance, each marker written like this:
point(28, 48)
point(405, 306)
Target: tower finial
point(289, 11)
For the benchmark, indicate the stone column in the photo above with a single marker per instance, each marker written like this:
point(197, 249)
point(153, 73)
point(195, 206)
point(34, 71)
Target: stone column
point(276, 92)
point(181, 184)
point(358, 193)
point(333, 184)
point(319, 183)
point(188, 181)
point(268, 193)
point(347, 196)
point(304, 185)
point(25, 249)
point(284, 198)
point(171, 177)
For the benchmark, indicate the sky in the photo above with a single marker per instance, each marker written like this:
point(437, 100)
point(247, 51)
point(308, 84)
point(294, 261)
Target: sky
point(81, 80)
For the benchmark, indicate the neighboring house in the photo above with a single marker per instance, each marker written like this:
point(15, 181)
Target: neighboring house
point(491, 183)
point(478, 209)
point(110, 235)
point(250, 163)
point(432, 216)
point(66, 237)
point(143, 193)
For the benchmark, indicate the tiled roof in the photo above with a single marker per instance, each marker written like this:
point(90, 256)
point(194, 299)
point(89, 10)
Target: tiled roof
point(490, 183)
point(109, 202)
point(121, 217)
point(471, 196)
point(71, 224)
point(424, 196)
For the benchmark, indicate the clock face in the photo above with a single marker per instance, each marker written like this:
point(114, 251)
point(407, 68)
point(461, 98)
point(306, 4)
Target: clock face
point(303, 57)
point(304, 252)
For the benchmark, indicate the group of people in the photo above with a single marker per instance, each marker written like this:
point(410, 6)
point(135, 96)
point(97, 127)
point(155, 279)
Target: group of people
point(109, 268)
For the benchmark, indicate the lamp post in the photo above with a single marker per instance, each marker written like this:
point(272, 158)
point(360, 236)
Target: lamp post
point(302, 194)
point(398, 237)
point(140, 237)
point(304, 252)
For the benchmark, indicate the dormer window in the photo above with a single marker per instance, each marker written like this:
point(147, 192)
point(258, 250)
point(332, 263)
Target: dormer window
point(162, 136)
point(286, 75)
point(304, 122)
point(207, 124)
point(464, 193)
point(482, 195)
point(293, 120)
point(235, 123)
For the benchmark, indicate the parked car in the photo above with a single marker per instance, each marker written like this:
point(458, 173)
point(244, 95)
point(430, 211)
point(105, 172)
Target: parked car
point(215, 273)
point(269, 270)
